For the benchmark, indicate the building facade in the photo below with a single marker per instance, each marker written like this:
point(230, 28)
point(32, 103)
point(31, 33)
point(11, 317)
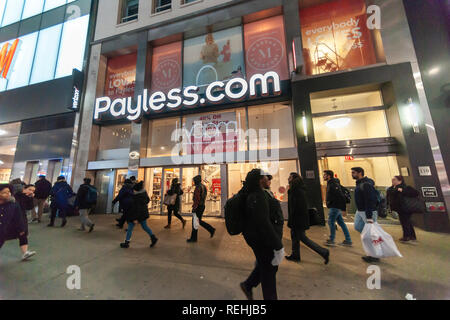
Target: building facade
point(43, 47)
point(180, 88)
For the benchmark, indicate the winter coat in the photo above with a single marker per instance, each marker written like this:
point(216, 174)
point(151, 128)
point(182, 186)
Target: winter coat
point(395, 198)
point(139, 208)
point(200, 193)
point(335, 196)
point(298, 215)
point(175, 189)
point(365, 196)
point(43, 188)
point(276, 213)
point(81, 199)
point(57, 187)
point(259, 230)
point(17, 186)
point(12, 223)
point(125, 197)
point(26, 203)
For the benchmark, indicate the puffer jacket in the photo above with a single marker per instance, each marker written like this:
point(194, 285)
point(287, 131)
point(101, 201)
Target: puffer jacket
point(139, 207)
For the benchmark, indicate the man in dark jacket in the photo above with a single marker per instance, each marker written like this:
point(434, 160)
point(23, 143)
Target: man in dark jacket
point(262, 235)
point(125, 199)
point(85, 206)
point(336, 204)
point(60, 194)
point(43, 187)
point(198, 208)
point(298, 219)
point(366, 203)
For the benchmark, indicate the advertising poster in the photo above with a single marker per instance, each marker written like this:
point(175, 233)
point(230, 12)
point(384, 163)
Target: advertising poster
point(212, 57)
point(166, 67)
point(212, 133)
point(121, 76)
point(216, 186)
point(335, 36)
point(265, 47)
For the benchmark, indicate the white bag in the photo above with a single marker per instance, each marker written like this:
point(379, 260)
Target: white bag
point(195, 221)
point(377, 242)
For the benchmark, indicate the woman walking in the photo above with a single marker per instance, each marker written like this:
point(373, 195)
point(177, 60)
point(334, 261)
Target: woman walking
point(13, 222)
point(298, 219)
point(175, 189)
point(138, 212)
point(396, 194)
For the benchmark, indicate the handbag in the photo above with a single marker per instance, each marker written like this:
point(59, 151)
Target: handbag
point(412, 205)
point(169, 200)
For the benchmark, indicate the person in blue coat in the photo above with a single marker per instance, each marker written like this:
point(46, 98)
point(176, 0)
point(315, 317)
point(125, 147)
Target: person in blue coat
point(60, 194)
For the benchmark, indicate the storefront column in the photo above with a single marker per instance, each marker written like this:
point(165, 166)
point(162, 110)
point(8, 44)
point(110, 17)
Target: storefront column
point(292, 29)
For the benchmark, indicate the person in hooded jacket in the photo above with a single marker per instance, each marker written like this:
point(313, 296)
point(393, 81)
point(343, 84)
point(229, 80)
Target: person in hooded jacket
point(175, 188)
point(16, 186)
point(125, 199)
point(298, 219)
point(13, 224)
point(43, 187)
point(138, 212)
point(63, 191)
point(336, 203)
point(84, 207)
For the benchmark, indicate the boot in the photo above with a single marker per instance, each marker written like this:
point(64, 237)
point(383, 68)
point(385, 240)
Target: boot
point(154, 240)
point(125, 244)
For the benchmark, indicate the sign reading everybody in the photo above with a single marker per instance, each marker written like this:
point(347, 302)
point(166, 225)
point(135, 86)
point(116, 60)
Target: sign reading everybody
point(235, 89)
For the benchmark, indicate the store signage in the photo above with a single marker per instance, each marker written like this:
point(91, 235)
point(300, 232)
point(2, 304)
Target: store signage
point(429, 192)
point(349, 158)
point(75, 98)
point(217, 92)
point(77, 85)
point(6, 57)
point(425, 171)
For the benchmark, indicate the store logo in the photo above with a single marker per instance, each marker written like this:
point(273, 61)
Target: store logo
point(6, 57)
point(75, 98)
point(235, 89)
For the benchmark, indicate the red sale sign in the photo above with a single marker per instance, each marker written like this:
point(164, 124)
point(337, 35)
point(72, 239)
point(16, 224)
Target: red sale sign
point(121, 76)
point(166, 67)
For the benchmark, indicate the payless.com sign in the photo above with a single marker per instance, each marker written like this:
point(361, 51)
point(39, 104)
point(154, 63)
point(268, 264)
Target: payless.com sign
point(6, 57)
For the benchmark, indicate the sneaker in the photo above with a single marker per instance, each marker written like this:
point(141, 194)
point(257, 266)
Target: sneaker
point(125, 244)
point(369, 259)
point(91, 227)
point(27, 255)
point(292, 258)
point(167, 227)
point(248, 293)
point(346, 243)
point(330, 243)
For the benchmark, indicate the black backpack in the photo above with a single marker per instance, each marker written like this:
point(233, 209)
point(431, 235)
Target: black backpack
point(234, 213)
point(346, 193)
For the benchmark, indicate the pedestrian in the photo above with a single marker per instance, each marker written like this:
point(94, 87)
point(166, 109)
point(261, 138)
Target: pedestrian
point(13, 222)
point(198, 208)
point(16, 186)
point(43, 187)
point(396, 195)
point(336, 203)
point(366, 203)
point(60, 194)
point(125, 199)
point(138, 212)
point(263, 233)
point(85, 202)
point(175, 189)
point(25, 200)
point(298, 219)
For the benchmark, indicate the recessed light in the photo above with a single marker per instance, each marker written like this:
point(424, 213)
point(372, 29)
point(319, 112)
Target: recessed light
point(433, 71)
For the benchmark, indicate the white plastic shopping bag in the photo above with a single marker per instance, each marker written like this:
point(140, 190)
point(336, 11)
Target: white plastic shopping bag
point(377, 242)
point(195, 221)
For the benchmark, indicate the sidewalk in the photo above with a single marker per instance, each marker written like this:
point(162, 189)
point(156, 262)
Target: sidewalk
point(211, 268)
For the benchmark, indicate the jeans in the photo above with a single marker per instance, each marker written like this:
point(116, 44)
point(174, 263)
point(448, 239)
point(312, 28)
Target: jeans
point(40, 208)
point(264, 273)
point(84, 216)
point(335, 215)
point(144, 227)
point(361, 220)
point(170, 210)
point(296, 237)
point(199, 212)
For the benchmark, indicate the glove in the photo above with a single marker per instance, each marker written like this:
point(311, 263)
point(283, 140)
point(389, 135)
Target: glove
point(278, 257)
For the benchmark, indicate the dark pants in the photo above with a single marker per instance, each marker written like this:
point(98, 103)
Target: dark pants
point(199, 212)
point(174, 210)
point(264, 273)
point(62, 214)
point(297, 236)
point(122, 219)
point(407, 226)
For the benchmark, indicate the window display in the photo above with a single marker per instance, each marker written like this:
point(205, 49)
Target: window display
point(166, 67)
point(121, 76)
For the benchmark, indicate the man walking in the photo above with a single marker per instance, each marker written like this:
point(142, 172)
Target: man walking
point(336, 204)
point(125, 199)
point(86, 199)
point(366, 203)
point(198, 208)
point(60, 194)
point(43, 187)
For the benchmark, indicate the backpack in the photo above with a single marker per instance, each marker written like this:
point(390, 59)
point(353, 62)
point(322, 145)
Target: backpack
point(346, 194)
point(91, 195)
point(381, 204)
point(234, 213)
point(62, 197)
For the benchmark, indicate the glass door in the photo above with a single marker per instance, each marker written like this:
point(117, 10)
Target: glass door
point(188, 187)
point(168, 176)
point(211, 178)
point(153, 178)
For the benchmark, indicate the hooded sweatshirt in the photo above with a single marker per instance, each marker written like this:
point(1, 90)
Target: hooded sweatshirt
point(365, 196)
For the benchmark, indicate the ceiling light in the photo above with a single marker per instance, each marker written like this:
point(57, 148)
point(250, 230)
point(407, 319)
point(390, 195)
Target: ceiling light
point(1, 162)
point(2, 132)
point(433, 71)
point(338, 123)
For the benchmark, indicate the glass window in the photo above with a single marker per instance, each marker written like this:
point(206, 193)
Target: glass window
point(120, 76)
point(162, 5)
point(73, 42)
point(268, 121)
point(9, 134)
point(2, 10)
point(162, 133)
point(13, 12)
point(166, 67)
point(21, 67)
point(320, 103)
point(360, 125)
point(130, 10)
point(115, 137)
point(51, 4)
point(46, 54)
point(32, 8)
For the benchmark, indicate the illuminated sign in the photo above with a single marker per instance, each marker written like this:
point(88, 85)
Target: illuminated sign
point(6, 57)
point(235, 89)
point(75, 98)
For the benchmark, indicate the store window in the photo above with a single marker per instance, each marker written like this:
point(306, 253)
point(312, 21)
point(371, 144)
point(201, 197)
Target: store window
point(161, 5)
point(153, 178)
point(121, 76)
point(272, 125)
point(115, 137)
point(335, 37)
point(162, 138)
point(12, 12)
point(32, 8)
point(129, 10)
point(52, 4)
point(166, 67)
point(9, 134)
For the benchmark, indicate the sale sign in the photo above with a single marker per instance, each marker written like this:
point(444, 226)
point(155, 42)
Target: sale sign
point(166, 67)
point(265, 47)
point(121, 76)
